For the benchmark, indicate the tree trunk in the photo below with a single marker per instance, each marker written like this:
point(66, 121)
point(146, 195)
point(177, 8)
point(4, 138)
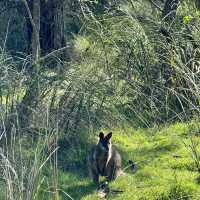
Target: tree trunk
point(36, 31)
point(47, 29)
point(51, 32)
point(29, 101)
point(34, 19)
point(52, 25)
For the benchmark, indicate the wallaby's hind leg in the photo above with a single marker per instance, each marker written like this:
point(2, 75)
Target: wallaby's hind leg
point(95, 176)
point(113, 173)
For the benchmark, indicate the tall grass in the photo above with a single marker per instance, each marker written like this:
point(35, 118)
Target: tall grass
point(23, 164)
point(23, 157)
point(122, 70)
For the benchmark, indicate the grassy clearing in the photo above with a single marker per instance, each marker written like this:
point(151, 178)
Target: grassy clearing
point(165, 167)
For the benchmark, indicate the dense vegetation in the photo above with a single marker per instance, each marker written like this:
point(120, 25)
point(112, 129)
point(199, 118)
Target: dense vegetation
point(71, 68)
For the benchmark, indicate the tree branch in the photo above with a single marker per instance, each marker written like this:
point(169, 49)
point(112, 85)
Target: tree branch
point(156, 5)
point(53, 53)
point(35, 34)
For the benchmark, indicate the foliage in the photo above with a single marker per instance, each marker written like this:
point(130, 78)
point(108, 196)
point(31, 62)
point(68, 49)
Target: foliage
point(126, 69)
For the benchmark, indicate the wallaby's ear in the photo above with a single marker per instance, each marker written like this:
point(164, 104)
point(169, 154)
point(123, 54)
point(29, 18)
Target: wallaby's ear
point(108, 136)
point(101, 135)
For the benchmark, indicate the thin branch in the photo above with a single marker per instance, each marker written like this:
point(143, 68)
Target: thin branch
point(156, 5)
point(30, 16)
point(6, 36)
point(52, 53)
point(35, 30)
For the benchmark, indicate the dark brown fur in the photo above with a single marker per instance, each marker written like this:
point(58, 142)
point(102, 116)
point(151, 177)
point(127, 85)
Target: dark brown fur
point(104, 159)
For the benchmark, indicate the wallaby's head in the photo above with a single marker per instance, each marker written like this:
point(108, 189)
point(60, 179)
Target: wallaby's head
point(104, 143)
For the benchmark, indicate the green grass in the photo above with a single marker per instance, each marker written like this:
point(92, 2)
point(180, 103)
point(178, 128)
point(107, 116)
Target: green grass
point(165, 166)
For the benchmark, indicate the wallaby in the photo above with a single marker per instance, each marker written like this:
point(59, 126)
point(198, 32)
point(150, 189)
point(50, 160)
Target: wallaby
point(104, 159)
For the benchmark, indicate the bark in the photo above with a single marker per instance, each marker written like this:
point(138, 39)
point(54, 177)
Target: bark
point(52, 25)
point(29, 101)
point(45, 25)
point(47, 30)
point(36, 32)
point(34, 18)
point(22, 10)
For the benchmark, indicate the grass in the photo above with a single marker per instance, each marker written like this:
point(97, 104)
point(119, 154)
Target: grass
point(165, 167)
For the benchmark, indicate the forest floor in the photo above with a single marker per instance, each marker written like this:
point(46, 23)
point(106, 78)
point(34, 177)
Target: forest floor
point(165, 166)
